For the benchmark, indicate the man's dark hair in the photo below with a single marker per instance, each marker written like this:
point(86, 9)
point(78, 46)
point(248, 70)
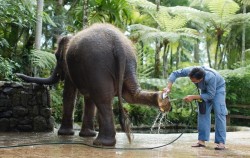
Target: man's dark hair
point(197, 73)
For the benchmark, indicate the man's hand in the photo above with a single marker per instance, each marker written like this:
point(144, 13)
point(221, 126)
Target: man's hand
point(168, 88)
point(190, 98)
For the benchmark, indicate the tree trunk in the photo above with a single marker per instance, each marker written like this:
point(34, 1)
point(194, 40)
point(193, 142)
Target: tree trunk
point(39, 24)
point(157, 2)
point(220, 65)
point(59, 19)
point(216, 52)
point(196, 52)
point(158, 46)
point(243, 54)
point(165, 60)
point(208, 54)
point(85, 13)
point(178, 56)
point(171, 59)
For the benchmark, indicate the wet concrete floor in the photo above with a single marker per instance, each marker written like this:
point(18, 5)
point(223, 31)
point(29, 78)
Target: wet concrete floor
point(238, 145)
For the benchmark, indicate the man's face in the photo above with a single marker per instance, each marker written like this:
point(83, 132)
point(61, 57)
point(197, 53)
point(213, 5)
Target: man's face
point(194, 80)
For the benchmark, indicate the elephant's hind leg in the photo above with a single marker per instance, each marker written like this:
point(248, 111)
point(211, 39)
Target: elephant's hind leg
point(69, 98)
point(88, 119)
point(106, 135)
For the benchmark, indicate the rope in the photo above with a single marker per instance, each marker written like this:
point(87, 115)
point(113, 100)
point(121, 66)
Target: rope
point(101, 147)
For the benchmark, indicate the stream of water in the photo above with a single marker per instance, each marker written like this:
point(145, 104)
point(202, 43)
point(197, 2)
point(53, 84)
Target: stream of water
point(159, 121)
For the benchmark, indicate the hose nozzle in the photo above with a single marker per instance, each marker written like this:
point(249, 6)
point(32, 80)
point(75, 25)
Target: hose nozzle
point(164, 95)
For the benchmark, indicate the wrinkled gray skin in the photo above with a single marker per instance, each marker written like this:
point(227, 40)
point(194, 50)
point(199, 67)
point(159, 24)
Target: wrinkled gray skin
point(100, 63)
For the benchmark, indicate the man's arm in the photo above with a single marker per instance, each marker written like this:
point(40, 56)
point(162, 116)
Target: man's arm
point(174, 75)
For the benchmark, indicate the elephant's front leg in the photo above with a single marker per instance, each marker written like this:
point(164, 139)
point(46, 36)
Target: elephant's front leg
point(69, 99)
point(88, 118)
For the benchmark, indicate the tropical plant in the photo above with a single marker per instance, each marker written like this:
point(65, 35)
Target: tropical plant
point(217, 22)
point(169, 3)
point(42, 60)
point(16, 21)
point(7, 67)
point(245, 3)
point(116, 12)
point(169, 34)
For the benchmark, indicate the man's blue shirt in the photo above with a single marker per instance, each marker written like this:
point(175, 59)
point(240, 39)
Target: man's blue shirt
point(211, 84)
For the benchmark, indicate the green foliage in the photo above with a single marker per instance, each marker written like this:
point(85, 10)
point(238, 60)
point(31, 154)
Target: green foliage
point(141, 115)
point(183, 113)
point(79, 109)
point(57, 102)
point(223, 8)
point(42, 59)
point(56, 94)
point(145, 61)
point(7, 67)
point(4, 43)
point(172, 2)
point(237, 85)
point(20, 12)
point(116, 12)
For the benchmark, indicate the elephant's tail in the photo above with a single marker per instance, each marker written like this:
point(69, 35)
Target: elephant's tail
point(123, 117)
point(125, 123)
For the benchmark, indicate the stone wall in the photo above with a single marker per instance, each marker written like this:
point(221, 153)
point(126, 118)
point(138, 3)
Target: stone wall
point(25, 107)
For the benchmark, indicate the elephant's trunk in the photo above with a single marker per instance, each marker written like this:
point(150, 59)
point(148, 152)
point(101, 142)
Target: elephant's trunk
point(53, 79)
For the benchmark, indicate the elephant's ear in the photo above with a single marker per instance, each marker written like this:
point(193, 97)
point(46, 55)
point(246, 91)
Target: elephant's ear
point(63, 43)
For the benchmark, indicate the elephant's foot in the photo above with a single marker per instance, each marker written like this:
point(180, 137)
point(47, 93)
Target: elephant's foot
point(87, 133)
point(163, 104)
point(65, 131)
point(104, 141)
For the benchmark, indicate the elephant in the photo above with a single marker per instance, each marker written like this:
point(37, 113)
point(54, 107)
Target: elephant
point(100, 63)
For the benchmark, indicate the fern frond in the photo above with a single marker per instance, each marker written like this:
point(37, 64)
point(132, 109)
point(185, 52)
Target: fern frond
point(143, 28)
point(143, 4)
point(161, 36)
point(190, 36)
point(170, 23)
point(238, 19)
point(189, 13)
point(43, 59)
point(149, 34)
point(223, 8)
point(246, 2)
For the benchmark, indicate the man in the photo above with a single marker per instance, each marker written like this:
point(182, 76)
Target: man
point(213, 92)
